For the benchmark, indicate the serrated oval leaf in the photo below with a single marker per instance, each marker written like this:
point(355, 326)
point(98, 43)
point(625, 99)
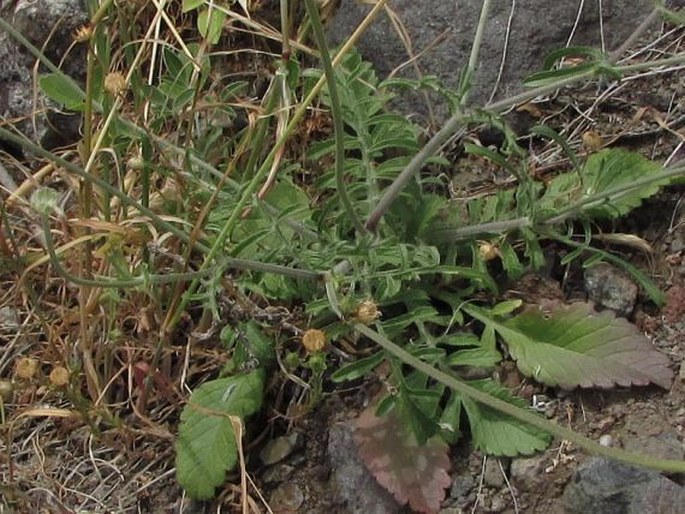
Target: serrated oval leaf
point(506, 307)
point(189, 5)
point(206, 447)
point(576, 346)
point(612, 168)
point(413, 473)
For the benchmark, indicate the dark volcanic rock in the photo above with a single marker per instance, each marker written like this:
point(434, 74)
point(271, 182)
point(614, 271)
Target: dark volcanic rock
point(611, 288)
point(355, 486)
point(50, 25)
point(517, 42)
point(604, 486)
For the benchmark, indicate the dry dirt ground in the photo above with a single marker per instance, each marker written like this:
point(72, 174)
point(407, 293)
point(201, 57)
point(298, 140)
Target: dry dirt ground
point(52, 461)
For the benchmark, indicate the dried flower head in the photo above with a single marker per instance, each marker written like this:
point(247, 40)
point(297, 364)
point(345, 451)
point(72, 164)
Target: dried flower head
point(115, 83)
point(592, 140)
point(59, 376)
point(26, 368)
point(82, 34)
point(487, 251)
point(314, 340)
point(136, 163)
point(367, 312)
point(6, 390)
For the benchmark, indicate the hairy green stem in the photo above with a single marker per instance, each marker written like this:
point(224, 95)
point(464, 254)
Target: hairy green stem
point(640, 66)
point(106, 282)
point(475, 47)
point(492, 227)
point(230, 262)
point(453, 125)
point(319, 36)
point(498, 227)
point(614, 193)
point(671, 466)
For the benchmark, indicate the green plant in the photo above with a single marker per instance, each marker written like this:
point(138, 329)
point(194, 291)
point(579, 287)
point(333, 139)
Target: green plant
point(354, 233)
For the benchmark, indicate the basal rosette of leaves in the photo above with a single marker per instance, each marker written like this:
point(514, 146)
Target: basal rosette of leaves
point(421, 282)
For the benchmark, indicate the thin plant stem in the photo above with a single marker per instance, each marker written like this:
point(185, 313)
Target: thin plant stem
point(230, 262)
point(173, 315)
point(86, 254)
point(475, 47)
point(453, 125)
point(266, 164)
point(317, 30)
point(106, 282)
point(575, 208)
point(445, 133)
point(672, 466)
point(492, 227)
point(79, 172)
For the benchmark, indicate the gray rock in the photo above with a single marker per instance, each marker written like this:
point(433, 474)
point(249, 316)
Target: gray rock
point(54, 22)
point(606, 440)
point(498, 503)
point(493, 475)
point(604, 486)
point(527, 472)
point(451, 510)
point(47, 24)
point(609, 287)
point(353, 483)
point(462, 485)
point(278, 473)
point(287, 497)
point(463, 490)
point(666, 445)
point(677, 242)
point(442, 32)
point(279, 448)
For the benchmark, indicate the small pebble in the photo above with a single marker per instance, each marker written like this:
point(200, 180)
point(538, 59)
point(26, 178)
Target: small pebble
point(606, 440)
point(289, 497)
point(611, 288)
point(493, 473)
point(278, 473)
point(498, 504)
point(279, 448)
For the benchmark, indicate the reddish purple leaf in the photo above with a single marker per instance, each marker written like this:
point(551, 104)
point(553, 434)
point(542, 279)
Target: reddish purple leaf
point(412, 473)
